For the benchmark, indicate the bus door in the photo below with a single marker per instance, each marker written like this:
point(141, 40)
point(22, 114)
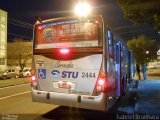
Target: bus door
point(117, 52)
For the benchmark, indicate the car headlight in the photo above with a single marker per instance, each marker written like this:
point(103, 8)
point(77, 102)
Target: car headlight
point(4, 73)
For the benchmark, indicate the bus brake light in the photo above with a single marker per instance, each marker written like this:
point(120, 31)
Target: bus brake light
point(101, 81)
point(33, 78)
point(97, 22)
point(40, 27)
point(64, 51)
point(101, 84)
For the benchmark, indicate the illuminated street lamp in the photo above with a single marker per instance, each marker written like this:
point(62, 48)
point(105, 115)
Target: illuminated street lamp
point(147, 52)
point(82, 9)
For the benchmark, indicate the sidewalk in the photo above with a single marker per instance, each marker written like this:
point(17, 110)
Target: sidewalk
point(128, 101)
point(148, 97)
point(143, 97)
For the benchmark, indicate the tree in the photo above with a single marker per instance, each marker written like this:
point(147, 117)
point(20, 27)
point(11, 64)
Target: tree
point(142, 11)
point(19, 53)
point(144, 49)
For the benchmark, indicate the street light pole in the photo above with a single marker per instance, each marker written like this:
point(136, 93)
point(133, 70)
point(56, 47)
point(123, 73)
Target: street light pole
point(147, 52)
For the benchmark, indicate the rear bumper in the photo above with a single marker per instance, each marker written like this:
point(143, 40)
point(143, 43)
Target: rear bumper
point(71, 100)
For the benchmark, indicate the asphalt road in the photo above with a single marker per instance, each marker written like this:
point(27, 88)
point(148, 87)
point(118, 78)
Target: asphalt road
point(16, 100)
point(16, 103)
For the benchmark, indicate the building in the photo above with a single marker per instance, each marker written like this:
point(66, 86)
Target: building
point(3, 40)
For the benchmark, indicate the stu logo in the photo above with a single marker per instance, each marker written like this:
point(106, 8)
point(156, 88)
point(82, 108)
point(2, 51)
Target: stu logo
point(55, 73)
point(67, 74)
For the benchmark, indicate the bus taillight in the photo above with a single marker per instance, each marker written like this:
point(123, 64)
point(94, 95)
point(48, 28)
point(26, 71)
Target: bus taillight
point(100, 84)
point(33, 75)
point(101, 81)
point(33, 78)
point(39, 27)
point(97, 22)
point(34, 81)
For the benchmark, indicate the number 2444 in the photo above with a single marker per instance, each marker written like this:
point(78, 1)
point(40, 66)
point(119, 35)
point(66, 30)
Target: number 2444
point(88, 75)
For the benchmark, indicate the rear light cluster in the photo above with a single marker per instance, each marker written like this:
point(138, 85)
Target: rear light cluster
point(34, 80)
point(101, 84)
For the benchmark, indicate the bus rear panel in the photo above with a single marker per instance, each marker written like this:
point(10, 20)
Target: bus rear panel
point(68, 57)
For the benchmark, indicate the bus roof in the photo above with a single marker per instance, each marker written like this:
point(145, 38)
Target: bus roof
point(68, 18)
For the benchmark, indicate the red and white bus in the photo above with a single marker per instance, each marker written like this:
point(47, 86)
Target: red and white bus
point(79, 63)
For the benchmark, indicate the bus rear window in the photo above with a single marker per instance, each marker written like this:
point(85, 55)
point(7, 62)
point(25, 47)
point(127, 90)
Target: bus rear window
point(67, 34)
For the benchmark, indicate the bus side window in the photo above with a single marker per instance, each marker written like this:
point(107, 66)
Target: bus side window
point(111, 52)
point(110, 45)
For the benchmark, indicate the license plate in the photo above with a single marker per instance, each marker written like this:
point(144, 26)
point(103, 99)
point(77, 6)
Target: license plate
point(64, 85)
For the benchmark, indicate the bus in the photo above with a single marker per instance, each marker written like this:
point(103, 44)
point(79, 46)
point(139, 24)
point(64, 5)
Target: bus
point(79, 62)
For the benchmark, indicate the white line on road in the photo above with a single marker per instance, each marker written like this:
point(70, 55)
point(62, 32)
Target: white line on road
point(15, 86)
point(14, 95)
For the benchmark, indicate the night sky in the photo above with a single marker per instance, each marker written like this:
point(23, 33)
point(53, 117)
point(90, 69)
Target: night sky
point(21, 16)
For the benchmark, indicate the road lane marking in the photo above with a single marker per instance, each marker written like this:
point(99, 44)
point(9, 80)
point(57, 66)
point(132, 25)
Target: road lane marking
point(15, 86)
point(14, 95)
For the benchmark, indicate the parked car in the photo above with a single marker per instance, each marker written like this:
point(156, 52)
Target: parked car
point(25, 73)
point(9, 73)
